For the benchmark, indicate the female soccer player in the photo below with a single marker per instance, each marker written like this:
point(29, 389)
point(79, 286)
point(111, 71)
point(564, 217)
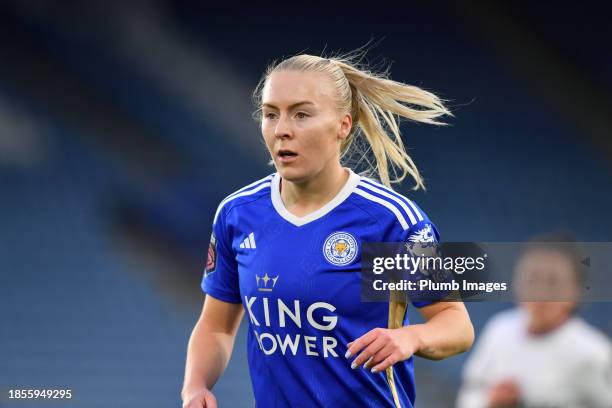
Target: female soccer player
point(541, 353)
point(285, 250)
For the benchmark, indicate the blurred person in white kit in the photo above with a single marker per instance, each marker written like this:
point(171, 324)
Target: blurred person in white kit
point(541, 354)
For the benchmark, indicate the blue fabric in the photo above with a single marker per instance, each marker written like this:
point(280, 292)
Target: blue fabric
point(302, 308)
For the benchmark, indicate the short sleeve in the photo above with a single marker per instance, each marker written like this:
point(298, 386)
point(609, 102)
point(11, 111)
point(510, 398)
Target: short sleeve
point(424, 237)
point(220, 278)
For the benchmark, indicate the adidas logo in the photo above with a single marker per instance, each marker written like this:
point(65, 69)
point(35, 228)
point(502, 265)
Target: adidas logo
point(249, 242)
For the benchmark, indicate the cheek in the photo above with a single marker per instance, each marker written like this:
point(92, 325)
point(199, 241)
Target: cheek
point(318, 147)
point(322, 136)
point(557, 309)
point(268, 135)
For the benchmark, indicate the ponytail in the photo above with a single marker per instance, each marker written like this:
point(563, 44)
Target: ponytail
point(376, 104)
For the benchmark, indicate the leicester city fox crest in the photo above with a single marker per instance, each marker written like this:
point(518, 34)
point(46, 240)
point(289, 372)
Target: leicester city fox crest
point(340, 248)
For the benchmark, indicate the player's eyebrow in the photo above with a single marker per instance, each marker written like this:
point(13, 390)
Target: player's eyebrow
point(292, 106)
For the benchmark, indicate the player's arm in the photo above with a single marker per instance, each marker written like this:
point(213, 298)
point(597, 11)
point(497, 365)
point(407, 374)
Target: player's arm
point(446, 332)
point(209, 350)
point(480, 386)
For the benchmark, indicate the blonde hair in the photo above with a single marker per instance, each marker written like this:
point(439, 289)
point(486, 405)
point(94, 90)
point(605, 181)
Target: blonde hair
point(376, 104)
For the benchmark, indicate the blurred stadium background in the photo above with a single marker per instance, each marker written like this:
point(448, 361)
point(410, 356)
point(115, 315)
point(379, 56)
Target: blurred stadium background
point(123, 124)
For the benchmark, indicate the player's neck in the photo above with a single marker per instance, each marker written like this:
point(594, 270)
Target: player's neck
point(536, 328)
point(303, 198)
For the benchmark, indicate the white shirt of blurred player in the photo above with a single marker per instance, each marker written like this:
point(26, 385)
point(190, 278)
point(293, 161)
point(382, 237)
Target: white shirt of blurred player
point(568, 367)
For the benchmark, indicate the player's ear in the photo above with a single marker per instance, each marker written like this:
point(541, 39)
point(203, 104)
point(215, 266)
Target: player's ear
point(346, 124)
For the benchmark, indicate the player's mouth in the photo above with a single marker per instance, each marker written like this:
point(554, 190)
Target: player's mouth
point(286, 156)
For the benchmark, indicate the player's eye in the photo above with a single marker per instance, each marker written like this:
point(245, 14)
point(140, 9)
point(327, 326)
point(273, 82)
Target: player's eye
point(269, 115)
point(301, 115)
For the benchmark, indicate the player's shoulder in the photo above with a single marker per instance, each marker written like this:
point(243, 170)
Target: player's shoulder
point(593, 342)
point(509, 321)
point(387, 204)
point(249, 193)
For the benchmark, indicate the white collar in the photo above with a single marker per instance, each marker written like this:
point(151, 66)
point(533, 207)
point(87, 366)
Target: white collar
point(342, 195)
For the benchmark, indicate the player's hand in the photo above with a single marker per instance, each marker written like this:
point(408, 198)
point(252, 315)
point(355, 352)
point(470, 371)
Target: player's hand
point(201, 398)
point(505, 394)
point(381, 348)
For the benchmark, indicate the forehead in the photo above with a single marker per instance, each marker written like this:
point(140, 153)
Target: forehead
point(286, 87)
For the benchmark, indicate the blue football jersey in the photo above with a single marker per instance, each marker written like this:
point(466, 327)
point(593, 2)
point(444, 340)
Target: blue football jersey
point(298, 279)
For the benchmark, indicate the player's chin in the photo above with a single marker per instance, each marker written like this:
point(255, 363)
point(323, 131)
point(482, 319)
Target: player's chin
point(291, 172)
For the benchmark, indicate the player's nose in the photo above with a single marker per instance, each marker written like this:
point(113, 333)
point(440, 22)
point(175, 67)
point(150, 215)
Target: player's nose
point(283, 128)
